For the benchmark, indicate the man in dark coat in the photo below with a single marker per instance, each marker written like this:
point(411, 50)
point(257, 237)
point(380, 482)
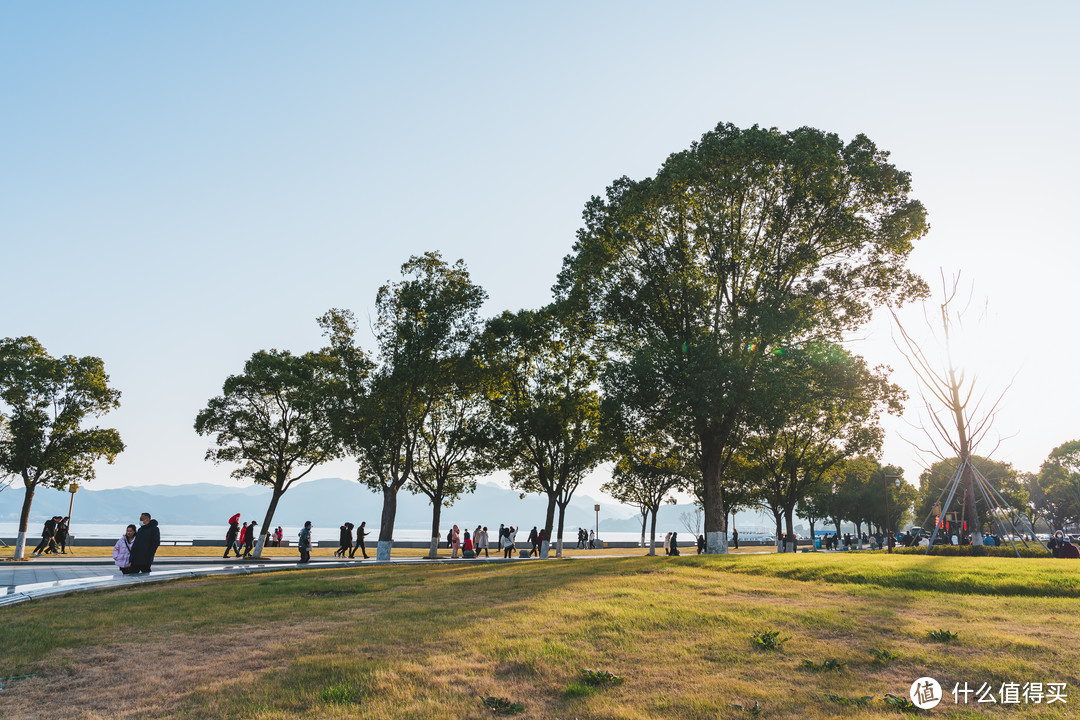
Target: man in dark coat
point(533, 538)
point(145, 544)
point(231, 535)
point(361, 533)
point(47, 534)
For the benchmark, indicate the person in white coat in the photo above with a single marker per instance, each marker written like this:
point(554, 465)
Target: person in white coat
point(121, 551)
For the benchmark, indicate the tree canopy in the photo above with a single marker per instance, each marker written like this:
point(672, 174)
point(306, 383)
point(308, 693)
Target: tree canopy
point(425, 320)
point(748, 242)
point(46, 400)
point(273, 421)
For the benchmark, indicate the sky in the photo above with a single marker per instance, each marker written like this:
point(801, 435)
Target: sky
point(183, 184)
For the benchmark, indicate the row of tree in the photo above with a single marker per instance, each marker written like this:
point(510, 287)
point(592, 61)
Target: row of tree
point(695, 338)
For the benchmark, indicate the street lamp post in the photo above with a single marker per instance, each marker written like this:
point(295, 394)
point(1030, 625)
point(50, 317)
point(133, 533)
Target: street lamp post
point(72, 488)
point(597, 509)
point(889, 538)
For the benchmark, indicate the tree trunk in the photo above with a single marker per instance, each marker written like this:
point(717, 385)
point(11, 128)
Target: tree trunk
point(558, 538)
point(644, 520)
point(713, 496)
point(266, 522)
point(652, 531)
point(789, 524)
point(386, 523)
point(813, 540)
point(24, 520)
point(436, 517)
point(779, 533)
point(858, 532)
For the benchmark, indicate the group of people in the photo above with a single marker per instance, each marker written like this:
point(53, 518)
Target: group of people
point(671, 544)
point(346, 545)
point(54, 536)
point(237, 536)
point(134, 552)
point(586, 539)
point(468, 544)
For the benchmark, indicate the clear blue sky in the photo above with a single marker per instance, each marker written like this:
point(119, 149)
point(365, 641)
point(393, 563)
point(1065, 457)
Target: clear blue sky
point(182, 184)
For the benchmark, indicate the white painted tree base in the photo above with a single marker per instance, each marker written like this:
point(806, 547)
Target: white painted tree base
point(716, 543)
point(382, 554)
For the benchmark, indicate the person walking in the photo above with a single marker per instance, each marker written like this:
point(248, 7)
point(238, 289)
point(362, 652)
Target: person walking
point(504, 541)
point(344, 540)
point(535, 550)
point(700, 544)
point(361, 533)
point(62, 535)
point(231, 536)
point(47, 534)
point(145, 545)
point(667, 544)
point(278, 535)
point(735, 538)
point(482, 542)
point(455, 541)
point(249, 539)
point(121, 551)
point(540, 538)
point(304, 545)
point(674, 544)
point(592, 539)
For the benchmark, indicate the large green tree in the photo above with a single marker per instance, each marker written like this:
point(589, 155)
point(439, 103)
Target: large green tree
point(548, 427)
point(454, 445)
point(751, 240)
point(45, 401)
point(273, 421)
point(424, 322)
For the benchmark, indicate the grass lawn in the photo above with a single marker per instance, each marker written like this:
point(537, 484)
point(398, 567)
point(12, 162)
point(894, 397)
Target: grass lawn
point(430, 641)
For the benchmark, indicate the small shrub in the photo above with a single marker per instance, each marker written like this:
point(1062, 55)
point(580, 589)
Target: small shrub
point(503, 706)
point(944, 636)
point(883, 656)
point(830, 665)
point(754, 709)
point(863, 701)
point(600, 678)
point(769, 640)
point(900, 703)
point(341, 694)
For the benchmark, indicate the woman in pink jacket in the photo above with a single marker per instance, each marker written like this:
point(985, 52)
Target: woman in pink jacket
point(121, 551)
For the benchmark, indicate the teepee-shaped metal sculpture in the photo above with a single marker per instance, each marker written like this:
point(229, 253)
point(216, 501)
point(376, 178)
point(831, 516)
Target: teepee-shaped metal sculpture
point(1002, 517)
point(958, 423)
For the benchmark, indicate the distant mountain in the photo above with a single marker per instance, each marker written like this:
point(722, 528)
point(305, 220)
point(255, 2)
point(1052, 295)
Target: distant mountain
point(327, 502)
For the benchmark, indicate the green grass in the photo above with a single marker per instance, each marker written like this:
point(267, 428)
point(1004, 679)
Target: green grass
point(433, 641)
